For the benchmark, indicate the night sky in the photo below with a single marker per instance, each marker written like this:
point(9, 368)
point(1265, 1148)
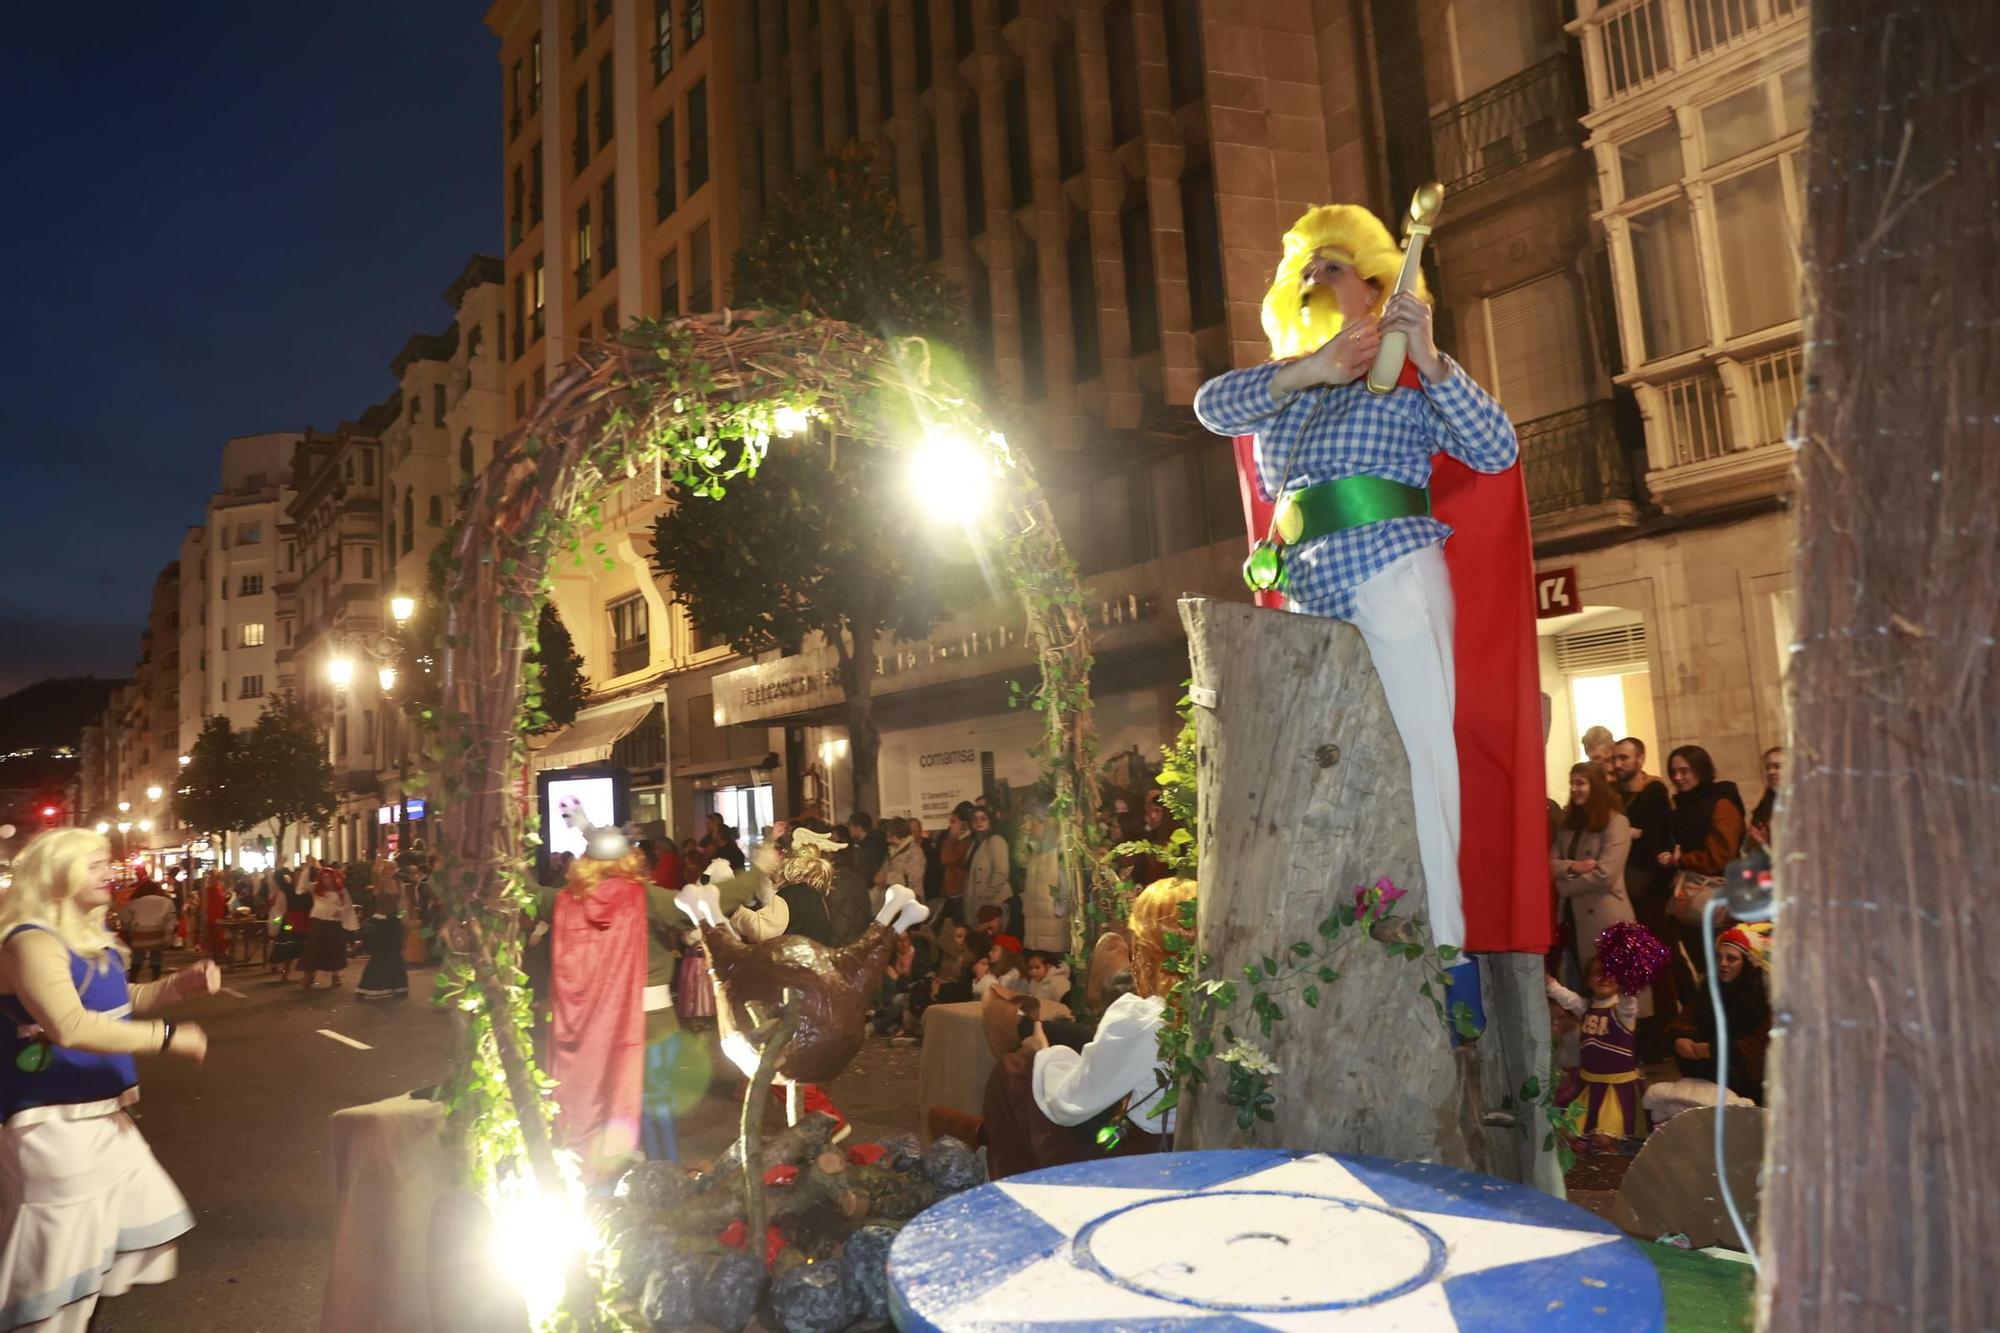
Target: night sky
point(223, 218)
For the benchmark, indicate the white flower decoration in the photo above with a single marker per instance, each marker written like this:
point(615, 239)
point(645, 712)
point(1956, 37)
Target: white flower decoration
point(1251, 1057)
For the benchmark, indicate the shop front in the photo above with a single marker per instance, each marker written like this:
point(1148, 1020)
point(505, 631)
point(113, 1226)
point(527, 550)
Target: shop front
point(611, 760)
point(1679, 638)
point(951, 708)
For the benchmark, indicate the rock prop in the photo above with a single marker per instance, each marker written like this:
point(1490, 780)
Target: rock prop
point(728, 1295)
point(642, 1251)
point(903, 1149)
point(669, 1299)
point(866, 1259)
point(951, 1166)
point(654, 1186)
point(815, 1298)
point(684, 1254)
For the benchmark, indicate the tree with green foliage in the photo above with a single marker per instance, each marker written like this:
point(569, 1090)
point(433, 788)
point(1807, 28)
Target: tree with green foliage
point(212, 796)
point(834, 244)
point(824, 542)
point(554, 656)
point(420, 647)
point(284, 763)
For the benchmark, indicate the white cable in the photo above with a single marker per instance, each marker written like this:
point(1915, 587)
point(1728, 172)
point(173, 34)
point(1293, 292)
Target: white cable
point(1722, 1078)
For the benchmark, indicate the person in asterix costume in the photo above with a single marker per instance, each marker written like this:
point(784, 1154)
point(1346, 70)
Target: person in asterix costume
point(1404, 514)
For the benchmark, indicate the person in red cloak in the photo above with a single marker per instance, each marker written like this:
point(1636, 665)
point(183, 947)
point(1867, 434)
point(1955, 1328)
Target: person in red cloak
point(597, 1038)
point(1406, 515)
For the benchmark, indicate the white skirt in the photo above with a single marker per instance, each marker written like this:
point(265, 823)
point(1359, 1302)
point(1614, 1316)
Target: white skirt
point(85, 1211)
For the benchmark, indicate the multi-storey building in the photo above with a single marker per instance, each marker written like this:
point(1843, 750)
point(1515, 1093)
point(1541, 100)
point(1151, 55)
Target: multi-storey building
point(194, 636)
point(621, 163)
point(1108, 182)
point(452, 386)
point(243, 551)
point(330, 603)
point(1695, 125)
point(159, 706)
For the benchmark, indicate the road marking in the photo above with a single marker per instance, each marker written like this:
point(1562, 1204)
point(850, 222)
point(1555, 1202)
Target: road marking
point(231, 990)
point(345, 1041)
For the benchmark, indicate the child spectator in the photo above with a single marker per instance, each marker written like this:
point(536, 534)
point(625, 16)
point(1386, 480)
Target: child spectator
point(1003, 967)
point(1624, 960)
point(957, 988)
point(1048, 977)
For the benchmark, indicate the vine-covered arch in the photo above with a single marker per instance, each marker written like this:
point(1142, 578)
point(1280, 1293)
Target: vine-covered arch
point(699, 397)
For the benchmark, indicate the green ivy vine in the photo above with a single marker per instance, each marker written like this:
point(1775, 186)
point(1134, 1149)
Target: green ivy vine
point(699, 398)
point(1203, 1011)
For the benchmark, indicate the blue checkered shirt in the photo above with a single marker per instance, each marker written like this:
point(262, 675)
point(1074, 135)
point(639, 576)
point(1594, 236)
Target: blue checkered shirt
point(1353, 432)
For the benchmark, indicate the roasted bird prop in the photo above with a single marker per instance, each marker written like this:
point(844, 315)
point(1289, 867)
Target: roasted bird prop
point(831, 986)
point(790, 1008)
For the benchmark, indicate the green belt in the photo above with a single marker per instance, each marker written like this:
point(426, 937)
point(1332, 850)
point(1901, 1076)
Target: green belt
point(1350, 502)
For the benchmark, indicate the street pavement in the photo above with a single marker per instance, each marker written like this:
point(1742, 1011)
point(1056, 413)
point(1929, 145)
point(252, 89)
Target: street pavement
point(246, 1137)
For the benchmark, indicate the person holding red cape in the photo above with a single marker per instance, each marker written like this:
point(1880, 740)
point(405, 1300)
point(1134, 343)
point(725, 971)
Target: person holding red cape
point(1404, 513)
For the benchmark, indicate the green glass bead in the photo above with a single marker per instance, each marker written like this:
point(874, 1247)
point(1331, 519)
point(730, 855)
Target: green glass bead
point(1265, 569)
point(34, 1058)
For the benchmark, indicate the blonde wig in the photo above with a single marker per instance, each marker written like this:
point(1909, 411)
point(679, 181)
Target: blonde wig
point(1155, 915)
point(1298, 321)
point(48, 875)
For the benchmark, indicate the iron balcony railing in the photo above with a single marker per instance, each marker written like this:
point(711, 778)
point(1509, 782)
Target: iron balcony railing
point(1573, 459)
point(1511, 124)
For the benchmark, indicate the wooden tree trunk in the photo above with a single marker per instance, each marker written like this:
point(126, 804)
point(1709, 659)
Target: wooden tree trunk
point(1883, 1168)
point(1305, 794)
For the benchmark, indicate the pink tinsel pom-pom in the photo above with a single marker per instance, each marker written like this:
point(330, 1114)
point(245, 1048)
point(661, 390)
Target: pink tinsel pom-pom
point(1632, 955)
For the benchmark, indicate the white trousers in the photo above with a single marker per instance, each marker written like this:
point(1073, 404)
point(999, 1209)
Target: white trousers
point(1405, 614)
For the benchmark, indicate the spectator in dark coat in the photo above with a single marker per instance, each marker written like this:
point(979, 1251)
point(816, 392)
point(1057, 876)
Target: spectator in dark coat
point(806, 881)
point(848, 904)
point(871, 844)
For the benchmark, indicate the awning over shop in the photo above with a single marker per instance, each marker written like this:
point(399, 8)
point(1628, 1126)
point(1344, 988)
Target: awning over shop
point(590, 740)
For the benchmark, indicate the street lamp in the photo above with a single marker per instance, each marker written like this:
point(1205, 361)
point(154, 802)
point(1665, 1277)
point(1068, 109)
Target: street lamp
point(340, 672)
point(184, 761)
point(124, 807)
point(789, 420)
point(949, 474)
point(145, 826)
point(155, 792)
point(103, 827)
point(124, 826)
point(385, 677)
point(402, 606)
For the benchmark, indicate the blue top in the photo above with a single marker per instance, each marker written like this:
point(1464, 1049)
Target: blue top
point(71, 1077)
point(1250, 1240)
point(1326, 433)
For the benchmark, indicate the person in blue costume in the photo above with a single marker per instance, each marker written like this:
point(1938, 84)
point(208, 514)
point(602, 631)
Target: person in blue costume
point(85, 1210)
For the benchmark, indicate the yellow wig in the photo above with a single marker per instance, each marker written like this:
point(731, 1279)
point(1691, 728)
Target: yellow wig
point(1155, 915)
point(1300, 322)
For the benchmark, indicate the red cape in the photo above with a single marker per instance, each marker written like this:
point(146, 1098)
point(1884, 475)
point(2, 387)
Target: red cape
point(597, 1033)
point(1503, 857)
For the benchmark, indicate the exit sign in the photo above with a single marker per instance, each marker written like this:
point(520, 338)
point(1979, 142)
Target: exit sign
point(1556, 593)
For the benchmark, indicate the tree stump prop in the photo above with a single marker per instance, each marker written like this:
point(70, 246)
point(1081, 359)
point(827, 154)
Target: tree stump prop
point(1305, 794)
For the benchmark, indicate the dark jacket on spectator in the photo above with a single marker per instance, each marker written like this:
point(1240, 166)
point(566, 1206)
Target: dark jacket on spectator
point(848, 905)
point(1708, 827)
point(811, 913)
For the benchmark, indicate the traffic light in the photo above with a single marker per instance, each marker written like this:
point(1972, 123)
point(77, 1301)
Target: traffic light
point(51, 814)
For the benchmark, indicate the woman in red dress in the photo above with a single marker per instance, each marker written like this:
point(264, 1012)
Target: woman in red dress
point(597, 1037)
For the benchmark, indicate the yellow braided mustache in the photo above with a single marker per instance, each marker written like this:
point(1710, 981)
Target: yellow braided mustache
point(1299, 320)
